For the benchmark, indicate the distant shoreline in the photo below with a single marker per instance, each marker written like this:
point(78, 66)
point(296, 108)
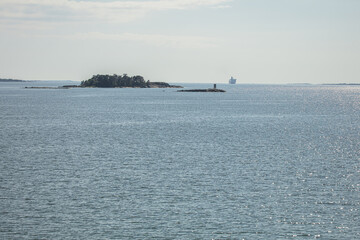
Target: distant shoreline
point(11, 80)
point(342, 84)
point(164, 85)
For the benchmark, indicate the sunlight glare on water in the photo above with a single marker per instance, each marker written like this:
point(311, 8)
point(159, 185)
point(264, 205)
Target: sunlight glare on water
point(256, 162)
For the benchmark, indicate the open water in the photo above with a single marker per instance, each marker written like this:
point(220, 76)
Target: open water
point(256, 162)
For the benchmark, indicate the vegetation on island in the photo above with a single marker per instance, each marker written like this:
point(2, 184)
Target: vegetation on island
point(122, 81)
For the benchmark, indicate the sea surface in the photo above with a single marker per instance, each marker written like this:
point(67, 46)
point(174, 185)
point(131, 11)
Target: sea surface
point(256, 162)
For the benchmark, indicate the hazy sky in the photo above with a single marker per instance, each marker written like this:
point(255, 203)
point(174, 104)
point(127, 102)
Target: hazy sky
point(256, 41)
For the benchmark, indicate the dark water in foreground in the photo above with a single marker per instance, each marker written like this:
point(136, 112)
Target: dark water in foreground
point(256, 162)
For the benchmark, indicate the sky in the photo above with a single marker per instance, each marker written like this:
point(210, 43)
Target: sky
point(182, 41)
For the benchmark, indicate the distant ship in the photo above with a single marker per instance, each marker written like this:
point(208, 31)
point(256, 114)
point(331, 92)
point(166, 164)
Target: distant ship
point(232, 80)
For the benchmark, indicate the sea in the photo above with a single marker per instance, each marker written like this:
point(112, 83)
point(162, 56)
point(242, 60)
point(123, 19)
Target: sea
point(256, 162)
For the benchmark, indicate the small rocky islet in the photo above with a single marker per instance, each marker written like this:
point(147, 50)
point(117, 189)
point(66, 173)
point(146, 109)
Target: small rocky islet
point(214, 89)
point(202, 90)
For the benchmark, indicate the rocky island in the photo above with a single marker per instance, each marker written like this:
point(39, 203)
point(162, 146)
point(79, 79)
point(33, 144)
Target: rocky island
point(115, 81)
point(123, 81)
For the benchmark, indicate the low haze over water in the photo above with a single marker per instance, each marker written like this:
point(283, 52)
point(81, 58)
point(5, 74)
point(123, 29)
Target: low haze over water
point(256, 162)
